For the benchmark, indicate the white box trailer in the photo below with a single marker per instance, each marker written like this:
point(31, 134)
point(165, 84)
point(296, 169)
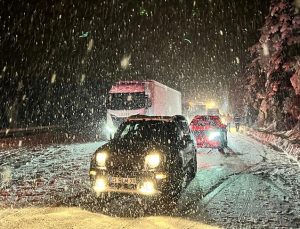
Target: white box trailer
point(148, 97)
point(164, 100)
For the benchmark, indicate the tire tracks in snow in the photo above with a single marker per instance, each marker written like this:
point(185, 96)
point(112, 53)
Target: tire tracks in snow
point(225, 183)
point(229, 180)
point(265, 171)
point(215, 190)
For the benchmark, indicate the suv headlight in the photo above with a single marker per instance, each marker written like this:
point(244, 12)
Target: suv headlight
point(101, 158)
point(153, 160)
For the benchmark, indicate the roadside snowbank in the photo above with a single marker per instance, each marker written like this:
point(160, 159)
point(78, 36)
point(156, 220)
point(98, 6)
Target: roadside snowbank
point(77, 218)
point(289, 141)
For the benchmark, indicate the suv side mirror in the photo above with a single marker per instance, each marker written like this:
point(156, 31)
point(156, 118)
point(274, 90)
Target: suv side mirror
point(186, 139)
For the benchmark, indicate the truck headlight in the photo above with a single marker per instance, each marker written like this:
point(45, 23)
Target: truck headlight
point(153, 160)
point(214, 135)
point(101, 158)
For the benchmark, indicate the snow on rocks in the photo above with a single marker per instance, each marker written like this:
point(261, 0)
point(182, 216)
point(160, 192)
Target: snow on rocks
point(281, 141)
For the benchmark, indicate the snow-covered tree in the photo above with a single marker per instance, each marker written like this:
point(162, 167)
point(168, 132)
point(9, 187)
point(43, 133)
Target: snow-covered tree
point(276, 64)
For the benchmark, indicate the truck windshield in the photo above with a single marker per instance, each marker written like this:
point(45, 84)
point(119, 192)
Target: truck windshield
point(213, 111)
point(126, 101)
point(197, 110)
point(150, 130)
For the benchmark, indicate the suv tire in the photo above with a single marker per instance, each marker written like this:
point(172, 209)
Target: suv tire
point(193, 165)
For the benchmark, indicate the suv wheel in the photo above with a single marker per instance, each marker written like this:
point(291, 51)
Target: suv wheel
point(225, 141)
point(176, 184)
point(193, 167)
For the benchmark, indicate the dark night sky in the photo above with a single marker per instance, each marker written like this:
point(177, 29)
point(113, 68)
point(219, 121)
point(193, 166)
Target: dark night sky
point(190, 45)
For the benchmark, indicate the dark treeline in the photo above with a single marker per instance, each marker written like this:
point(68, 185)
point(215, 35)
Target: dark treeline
point(58, 58)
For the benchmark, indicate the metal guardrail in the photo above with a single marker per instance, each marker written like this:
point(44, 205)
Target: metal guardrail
point(25, 131)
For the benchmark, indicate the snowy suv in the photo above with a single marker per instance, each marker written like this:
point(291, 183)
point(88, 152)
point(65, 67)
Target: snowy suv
point(148, 156)
point(209, 132)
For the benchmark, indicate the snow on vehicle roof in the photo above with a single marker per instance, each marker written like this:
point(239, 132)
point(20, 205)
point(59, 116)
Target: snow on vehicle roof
point(206, 117)
point(206, 122)
point(150, 118)
point(128, 87)
point(136, 86)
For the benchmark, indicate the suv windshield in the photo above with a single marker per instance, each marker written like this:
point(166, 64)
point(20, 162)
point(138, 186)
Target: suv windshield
point(150, 130)
point(126, 101)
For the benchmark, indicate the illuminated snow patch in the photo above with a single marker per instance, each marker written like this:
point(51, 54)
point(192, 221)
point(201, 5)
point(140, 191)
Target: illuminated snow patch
point(265, 49)
point(5, 175)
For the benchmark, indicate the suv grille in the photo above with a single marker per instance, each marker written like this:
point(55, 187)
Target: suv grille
point(121, 166)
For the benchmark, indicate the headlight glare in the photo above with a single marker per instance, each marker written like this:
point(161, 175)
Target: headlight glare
point(214, 135)
point(100, 185)
point(110, 129)
point(147, 188)
point(153, 160)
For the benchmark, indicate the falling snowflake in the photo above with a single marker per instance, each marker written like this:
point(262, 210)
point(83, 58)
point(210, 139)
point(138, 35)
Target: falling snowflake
point(125, 62)
point(90, 45)
point(53, 78)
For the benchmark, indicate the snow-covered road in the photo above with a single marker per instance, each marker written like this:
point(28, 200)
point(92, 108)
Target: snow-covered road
point(251, 186)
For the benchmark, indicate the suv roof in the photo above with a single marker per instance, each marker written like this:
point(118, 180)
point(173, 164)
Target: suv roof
point(156, 118)
point(213, 117)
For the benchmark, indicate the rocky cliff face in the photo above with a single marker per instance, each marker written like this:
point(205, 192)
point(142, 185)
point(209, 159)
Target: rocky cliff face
point(273, 76)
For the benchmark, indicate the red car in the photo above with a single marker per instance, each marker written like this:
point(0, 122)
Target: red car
point(209, 131)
